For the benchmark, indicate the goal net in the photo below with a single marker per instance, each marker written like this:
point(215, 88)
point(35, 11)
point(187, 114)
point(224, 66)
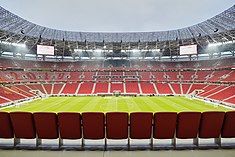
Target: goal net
point(117, 93)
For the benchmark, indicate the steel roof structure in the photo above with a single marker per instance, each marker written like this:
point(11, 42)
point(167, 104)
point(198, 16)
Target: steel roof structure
point(220, 28)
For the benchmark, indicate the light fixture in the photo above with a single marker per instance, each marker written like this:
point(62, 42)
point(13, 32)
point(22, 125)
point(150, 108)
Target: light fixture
point(14, 44)
point(219, 43)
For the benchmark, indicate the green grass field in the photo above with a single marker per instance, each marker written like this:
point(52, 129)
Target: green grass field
point(122, 104)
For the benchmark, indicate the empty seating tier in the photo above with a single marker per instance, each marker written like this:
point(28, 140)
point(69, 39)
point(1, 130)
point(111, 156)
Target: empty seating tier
point(117, 125)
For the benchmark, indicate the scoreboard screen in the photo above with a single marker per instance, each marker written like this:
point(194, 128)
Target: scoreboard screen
point(45, 50)
point(188, 50)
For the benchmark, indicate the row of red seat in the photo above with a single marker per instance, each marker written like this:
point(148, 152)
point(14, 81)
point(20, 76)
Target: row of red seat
point(219, 93)
point(114, 125)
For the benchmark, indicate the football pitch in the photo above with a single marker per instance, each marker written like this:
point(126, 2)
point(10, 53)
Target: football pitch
point(120, 104)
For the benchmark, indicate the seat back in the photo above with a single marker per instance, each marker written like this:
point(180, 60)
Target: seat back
point(164, 125)
point(6, 130)
point(211, 124)
point(69, 125)
point(23, 125)
point(93, 125)
point(141, 125)
point(228, 130)
point(117, 125)
point(188, 124)
point(46, 125)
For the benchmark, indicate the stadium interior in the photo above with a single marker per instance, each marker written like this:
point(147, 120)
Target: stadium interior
point(209, 79)
point(196, 63)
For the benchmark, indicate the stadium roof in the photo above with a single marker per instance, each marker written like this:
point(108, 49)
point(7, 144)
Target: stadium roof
point(220, 28)
point(219, 23)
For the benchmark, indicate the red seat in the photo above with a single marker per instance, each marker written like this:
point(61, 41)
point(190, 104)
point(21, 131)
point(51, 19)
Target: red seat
point(164, 125)
point(93, 125)
point(46, 125)
point(117, 125)
point(5, 126)
point(211, 124)
point(69, 125)
point(141, 125)
point(188, 124)
point(23, 125)
point(228, 130)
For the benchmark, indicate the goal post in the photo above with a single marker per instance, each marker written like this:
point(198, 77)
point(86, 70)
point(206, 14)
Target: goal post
point(117, 93)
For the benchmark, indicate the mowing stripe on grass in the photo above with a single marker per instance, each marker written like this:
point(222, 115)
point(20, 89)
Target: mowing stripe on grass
point(118, 104)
